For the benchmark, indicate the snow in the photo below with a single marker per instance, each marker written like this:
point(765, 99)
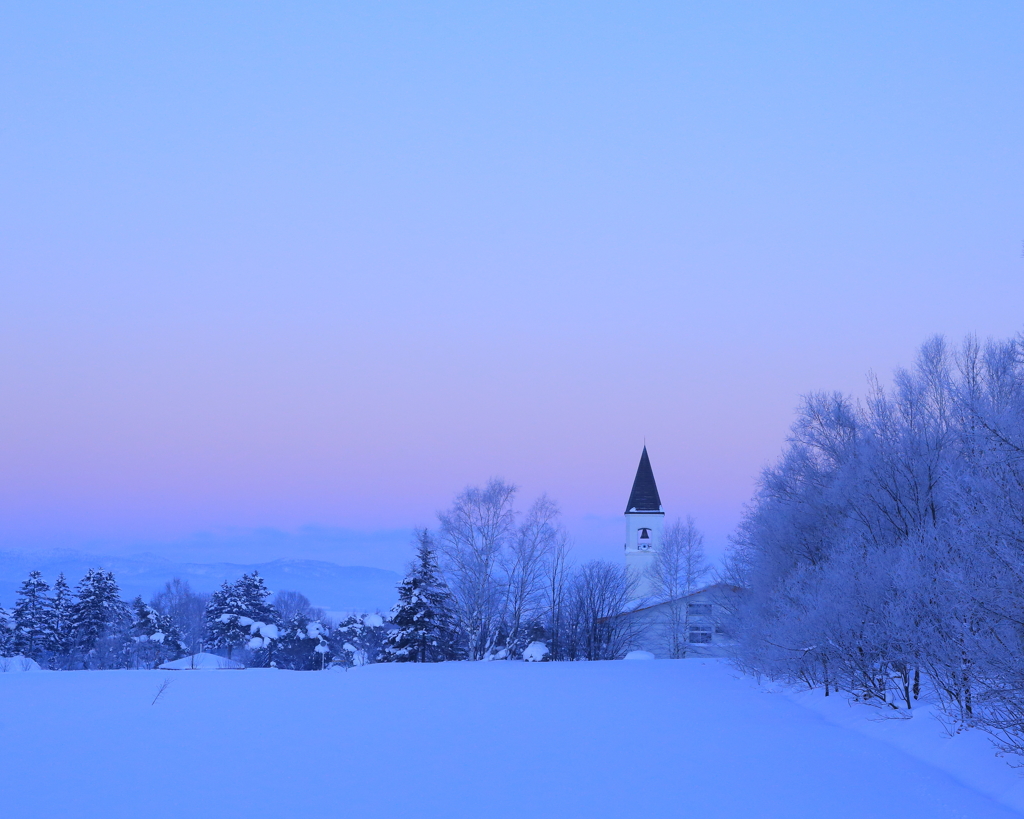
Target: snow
point(200, 662)
point(17, 663)
point(639, 655)
point(373, 620)
point(535, 652)
point(604, 740)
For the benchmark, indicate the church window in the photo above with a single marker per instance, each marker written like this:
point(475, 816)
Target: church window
point(700, 634)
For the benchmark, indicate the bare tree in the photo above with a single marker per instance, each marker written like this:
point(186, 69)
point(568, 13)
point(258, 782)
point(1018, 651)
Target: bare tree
point(291, 603)
point(474, 533)
point(187, 610)
point(677, 571)
point(600, 592)
point(557, 576)
point(524, 563)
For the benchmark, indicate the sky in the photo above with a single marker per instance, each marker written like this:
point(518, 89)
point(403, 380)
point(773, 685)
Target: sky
point(280, 280)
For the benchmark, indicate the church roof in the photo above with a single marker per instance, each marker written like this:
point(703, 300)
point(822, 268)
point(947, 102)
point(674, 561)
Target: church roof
point(644, 497)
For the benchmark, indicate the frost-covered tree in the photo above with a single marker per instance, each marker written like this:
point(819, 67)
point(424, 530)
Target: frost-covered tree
point(33, 618)
point(499, 566)
point(526, 564)
point(99, 620)
point(883, 556)
point(678, 569)
point(425, 629)
point(475, 531)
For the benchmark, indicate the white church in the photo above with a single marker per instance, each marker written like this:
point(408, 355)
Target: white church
point(691, 626)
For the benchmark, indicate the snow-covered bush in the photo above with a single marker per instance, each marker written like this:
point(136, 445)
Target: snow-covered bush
point(536, 652)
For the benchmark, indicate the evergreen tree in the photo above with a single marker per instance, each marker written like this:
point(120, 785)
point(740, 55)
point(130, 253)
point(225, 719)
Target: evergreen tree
point(6, 634)
point(154, 639)
point(361, 640)
point(33, 618)
point(423, 619)
point(304, 645)
point(239, 614)
point(98, 617)
point(62, 620)
point(222, 612)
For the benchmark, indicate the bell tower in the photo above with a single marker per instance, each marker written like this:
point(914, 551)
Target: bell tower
point(645, 522)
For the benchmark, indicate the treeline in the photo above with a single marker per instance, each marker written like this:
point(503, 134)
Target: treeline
point(884, 553)
point(93, 628)
point(488, 584)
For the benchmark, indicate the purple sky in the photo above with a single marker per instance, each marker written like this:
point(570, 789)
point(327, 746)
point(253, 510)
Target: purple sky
point(268, 267)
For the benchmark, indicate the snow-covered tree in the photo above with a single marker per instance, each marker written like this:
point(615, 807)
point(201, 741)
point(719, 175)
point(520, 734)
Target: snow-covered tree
point(883, 554)
point(33, 618)
point(360, 639)
point(222, 612)
point(63, 623)
point(6, 633)
point(424, 622)
point(238, 614)
point(154, 639)
point(304, 644)
point(99, 620)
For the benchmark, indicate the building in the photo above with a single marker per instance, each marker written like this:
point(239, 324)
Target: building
point(645, 524)
point(691, 626)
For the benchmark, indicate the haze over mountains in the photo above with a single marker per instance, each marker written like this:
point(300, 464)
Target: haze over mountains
point(327, 585)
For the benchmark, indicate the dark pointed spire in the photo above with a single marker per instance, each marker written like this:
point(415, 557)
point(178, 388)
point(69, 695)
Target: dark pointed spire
point(644, 497)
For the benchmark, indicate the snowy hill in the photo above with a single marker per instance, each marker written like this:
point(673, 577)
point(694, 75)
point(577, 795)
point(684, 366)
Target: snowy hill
point(328, 585)
point(601, 740)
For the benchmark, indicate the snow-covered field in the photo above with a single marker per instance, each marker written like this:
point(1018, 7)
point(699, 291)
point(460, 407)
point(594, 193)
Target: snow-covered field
point(613, 739)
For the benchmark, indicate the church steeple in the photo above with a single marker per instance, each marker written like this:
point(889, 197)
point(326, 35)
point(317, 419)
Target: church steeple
point(644, 496)
point(645, 523)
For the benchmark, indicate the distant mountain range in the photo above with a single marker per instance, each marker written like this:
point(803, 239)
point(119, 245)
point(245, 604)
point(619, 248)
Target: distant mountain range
point(335, 588)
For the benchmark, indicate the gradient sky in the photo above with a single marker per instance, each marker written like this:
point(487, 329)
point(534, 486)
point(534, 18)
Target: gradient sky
point(269, 266)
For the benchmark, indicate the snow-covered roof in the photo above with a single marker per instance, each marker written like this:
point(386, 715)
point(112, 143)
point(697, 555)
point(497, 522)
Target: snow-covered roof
point(18, 663)
point(644, 603)
point(200, 662)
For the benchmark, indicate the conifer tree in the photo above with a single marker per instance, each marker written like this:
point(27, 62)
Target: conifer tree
point(154, 639)
point(423, 618)
point(222, 627)
point(237, 611)
point(6, 634)
point(33, 618)
point(304, 645)
point(62, 621)
point(98, 615)
point(254, 593)
point(361, 639)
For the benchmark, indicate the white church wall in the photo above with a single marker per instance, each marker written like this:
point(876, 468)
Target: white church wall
point(638, 559)
point(702, 624)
